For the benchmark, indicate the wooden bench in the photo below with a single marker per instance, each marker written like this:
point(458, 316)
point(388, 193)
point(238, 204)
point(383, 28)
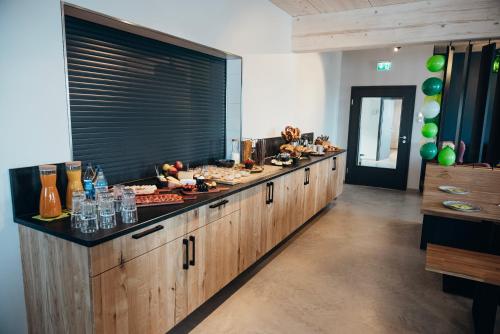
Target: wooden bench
point(482, 268)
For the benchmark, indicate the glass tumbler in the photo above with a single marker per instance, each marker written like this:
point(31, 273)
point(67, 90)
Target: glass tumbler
point(106, 211)
point(118, 196)
point(129, 207)
point(76, 208)
point(89, 216)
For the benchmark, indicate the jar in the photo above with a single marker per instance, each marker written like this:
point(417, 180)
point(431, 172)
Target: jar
point(50, 203)
point(74, 174)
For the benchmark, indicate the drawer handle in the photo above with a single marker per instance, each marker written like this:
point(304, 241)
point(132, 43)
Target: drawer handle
point(221, 203)
point(193, 241)
point(151, 230)
point(185, 263)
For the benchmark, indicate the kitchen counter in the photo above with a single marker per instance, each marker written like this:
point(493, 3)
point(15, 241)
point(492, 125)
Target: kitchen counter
point(149, 215)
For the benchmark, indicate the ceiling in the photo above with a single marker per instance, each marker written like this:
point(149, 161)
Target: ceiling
point(310, 7)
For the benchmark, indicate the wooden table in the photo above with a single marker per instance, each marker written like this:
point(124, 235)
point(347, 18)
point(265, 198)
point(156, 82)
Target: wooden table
point(471, 231)
point(483, 184)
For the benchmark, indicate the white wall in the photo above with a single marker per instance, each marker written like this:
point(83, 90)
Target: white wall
point(290, 89)
point(408, 68)
point(278, 89)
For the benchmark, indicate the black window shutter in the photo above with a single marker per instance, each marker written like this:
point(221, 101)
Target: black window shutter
point(136, 101)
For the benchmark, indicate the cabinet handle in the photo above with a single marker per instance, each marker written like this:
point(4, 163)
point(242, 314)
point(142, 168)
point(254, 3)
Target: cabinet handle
point(307, 171)
point(334, 168)
point(272, 192)
point(216, 205)
point(193, 241)
point(269, 192)
point(151, 230)
point(185, 264)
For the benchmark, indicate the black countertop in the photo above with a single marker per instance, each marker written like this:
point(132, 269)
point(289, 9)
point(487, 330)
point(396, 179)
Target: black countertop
point(149, 215)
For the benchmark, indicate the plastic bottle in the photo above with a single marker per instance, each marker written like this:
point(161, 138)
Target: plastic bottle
point(88, 181)
point(101, 184)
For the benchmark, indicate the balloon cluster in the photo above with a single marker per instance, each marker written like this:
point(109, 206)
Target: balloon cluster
point(432, 88)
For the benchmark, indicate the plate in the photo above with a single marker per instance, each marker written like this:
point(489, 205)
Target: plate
point(461, 206)
point(454, 190)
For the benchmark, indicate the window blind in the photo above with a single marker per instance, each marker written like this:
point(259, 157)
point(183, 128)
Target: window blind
point(136, 102)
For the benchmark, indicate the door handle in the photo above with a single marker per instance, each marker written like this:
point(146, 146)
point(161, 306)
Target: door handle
point(193, 241)
point(403, 137)
point(185, 264)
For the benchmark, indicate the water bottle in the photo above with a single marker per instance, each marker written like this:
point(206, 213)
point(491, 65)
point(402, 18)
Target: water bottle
point(101, 184)
point(88, 181)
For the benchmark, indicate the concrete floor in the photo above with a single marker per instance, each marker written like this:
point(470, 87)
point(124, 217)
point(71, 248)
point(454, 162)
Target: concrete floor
point(356, 268)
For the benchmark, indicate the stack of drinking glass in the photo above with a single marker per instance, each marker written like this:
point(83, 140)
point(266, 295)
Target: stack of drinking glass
point(90, 215)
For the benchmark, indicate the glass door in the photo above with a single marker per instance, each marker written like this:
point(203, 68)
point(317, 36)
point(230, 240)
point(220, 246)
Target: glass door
point(379, 135)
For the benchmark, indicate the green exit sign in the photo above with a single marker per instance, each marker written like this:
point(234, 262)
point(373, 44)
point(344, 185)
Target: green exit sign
point(384, 66)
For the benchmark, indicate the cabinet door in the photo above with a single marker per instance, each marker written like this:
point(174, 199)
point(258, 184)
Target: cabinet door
point(145, 295)
point(253, 203)
point(323, 183)
point(214, 262)
point(311, 177)
point(340, 176)
point(294, 203)
point(331, 188)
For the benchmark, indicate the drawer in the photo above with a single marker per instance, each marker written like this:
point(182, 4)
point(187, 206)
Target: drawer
point(211, 212)
point(120, 250)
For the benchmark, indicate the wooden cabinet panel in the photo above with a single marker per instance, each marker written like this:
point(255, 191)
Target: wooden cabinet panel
point(310, 194)
point(120, 250)
point(294, 199)
point(145, 295)
point(323, 183)
point(250, 234)
point(215, 258)
point(57, 287)
point(340, 175)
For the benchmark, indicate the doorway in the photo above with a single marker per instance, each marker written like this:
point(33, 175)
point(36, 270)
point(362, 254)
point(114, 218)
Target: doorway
point(380, 127)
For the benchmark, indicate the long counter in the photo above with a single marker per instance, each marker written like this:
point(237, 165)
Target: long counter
point(149, 215)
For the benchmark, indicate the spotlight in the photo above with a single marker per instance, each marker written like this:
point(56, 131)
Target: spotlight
point(396, 48)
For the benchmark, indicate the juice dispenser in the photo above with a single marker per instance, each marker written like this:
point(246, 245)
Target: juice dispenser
point(50, 203)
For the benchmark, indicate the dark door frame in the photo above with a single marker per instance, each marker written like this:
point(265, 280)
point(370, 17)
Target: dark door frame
point(374, 176)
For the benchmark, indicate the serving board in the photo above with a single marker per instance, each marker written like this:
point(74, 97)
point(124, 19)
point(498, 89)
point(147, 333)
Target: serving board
point(158, 199)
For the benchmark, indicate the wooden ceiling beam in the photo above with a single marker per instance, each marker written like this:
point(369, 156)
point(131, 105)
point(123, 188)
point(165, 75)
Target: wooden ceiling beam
point(410, 23)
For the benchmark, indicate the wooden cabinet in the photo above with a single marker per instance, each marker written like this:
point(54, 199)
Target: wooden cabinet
point(311, 175)
point(294, 199)
point(149, 280)
point(252, 238)
point(340, 169)
point(213, 260)
point(142, 295)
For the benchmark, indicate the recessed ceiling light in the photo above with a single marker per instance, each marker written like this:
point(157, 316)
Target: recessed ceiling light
point(396, 48)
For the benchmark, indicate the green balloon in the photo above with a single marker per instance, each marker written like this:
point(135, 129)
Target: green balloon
point(434, 120)
point(436, 63)
point(429, 130)
point(447, 156)
point(432, 86)
point(428, 151)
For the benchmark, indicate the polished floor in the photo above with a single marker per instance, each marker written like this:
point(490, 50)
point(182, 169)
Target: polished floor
point(356, 268)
